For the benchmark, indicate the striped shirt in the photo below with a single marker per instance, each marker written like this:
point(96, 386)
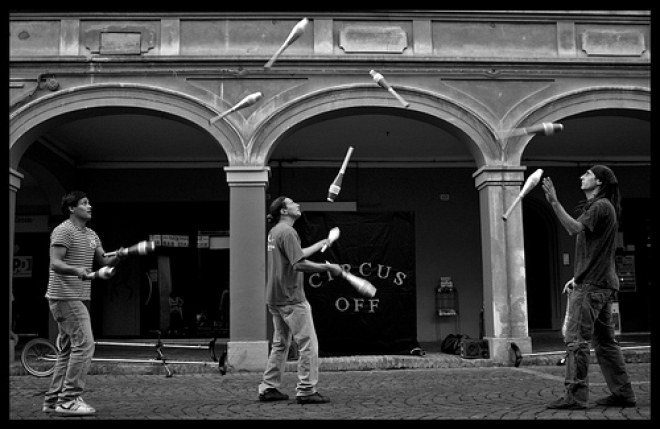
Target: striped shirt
point(81, 247)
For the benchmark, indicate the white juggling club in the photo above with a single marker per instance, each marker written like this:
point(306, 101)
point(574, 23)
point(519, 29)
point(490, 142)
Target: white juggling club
point(530, 183)
point(104, 273)
point(380, 80)
point(335, 187)
point(363, 286)
point(542, 129)
point(333, 235)
point(141, 248)
point(245, 102)
point(295, 33)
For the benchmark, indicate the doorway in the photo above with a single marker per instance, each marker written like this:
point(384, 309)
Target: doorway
point(540, 262)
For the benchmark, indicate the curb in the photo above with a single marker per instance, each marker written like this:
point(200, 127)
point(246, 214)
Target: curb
point(345, 363)
point(633, 355)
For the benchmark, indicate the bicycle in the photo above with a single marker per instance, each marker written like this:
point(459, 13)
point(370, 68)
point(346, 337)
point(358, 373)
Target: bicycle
point(39, 355)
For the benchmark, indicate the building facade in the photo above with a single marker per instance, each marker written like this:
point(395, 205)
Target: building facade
point(124, 106)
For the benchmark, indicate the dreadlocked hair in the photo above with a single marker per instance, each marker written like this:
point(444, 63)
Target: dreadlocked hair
point(609, 191)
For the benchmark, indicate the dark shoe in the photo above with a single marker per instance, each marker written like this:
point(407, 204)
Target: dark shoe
point(312, 399)
point(517, 354)
point(616, 401)
point(566, 404)
point(272, 395)
point(48, 408)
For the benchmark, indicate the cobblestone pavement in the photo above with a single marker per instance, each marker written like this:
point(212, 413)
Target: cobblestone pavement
point(506, 393)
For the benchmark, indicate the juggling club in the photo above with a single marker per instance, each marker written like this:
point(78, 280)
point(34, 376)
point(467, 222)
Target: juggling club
point(295, 33)
point(104, 273)
point(335, 187)
point(530, 183)
point(141, 248)
point(245, 102)
point(380, 80)
point(545, 129)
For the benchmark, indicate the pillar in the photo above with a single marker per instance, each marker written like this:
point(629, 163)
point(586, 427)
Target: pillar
point(503, 256)
point(248, 344)
point(14, 184)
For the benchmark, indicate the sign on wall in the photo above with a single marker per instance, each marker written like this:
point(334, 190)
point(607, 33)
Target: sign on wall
point(170, 240)
point(380, 248)
point(625, 267)
point(22, 266)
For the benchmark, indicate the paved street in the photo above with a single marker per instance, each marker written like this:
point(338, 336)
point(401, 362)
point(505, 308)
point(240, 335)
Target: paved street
point(440, 393)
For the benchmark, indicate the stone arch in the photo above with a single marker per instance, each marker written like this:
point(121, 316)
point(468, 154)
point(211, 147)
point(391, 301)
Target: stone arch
point(458, 120)
point(51, 110)
point(573, 103)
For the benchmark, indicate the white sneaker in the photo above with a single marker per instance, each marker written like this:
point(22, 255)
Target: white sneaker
point(75, 407)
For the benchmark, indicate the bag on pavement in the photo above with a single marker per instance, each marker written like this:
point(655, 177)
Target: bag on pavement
point(452, 343)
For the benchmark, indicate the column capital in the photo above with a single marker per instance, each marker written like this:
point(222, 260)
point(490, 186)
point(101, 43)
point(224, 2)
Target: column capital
point(489, 175)
point(14, 180)
point(247, 175)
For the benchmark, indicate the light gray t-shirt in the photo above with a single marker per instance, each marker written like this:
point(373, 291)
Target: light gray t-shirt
point(284, 284)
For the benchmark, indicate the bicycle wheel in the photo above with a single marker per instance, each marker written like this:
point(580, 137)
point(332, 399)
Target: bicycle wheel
point(39, 357)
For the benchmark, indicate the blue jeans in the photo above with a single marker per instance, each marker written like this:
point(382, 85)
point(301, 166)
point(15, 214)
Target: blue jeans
point(295, 321)
point(590, 321)
point(75, 345)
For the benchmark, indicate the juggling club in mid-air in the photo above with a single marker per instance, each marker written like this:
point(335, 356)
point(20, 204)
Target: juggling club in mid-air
point(380, 80)
point(335, 187)
point(295, 33)
point(245, 102)
point(542, 129)
point(530, 183)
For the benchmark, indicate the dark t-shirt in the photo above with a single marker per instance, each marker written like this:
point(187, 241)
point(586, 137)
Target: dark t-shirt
point(284, 284)
point(596, 245)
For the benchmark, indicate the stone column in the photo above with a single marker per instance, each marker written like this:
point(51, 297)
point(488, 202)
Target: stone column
point(505, 302)
point(248, 344)
point(14, 185)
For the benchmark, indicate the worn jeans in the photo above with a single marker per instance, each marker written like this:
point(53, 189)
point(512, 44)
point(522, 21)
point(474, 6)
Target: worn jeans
point(295, 321)
point(75, 345)
point(590, 321)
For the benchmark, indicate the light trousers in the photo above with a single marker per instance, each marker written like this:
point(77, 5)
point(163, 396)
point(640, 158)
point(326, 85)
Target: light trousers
point(75, 345)
point(293, 321)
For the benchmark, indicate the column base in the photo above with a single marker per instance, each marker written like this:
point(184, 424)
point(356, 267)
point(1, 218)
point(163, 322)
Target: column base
point(500, 348)
point(12, 351)
point(247, 355)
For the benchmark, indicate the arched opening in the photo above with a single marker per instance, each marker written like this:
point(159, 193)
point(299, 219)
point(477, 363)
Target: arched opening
point(403, 161)
point(541, 261)
point(141, 155)
point(345, 101)
point(599, 134)
point(382, 135)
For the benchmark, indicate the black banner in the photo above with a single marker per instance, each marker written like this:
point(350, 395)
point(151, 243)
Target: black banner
point(379, 247)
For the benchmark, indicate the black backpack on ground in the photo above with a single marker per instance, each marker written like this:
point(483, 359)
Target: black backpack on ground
point(452, 344)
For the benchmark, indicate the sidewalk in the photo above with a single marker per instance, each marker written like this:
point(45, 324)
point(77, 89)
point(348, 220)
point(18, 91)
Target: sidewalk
point(547, 350)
